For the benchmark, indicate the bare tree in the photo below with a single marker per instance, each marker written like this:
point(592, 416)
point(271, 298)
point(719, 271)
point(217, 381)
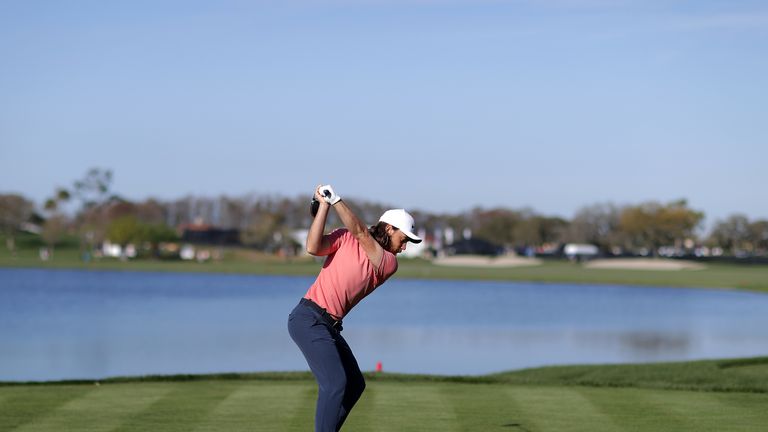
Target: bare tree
point(232, 212)
point(759, 234)
point(495, 225)
point(596, 224)
point(733, 234)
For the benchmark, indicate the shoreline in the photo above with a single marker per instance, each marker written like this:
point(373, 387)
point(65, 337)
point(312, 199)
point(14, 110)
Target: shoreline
point(720, 276)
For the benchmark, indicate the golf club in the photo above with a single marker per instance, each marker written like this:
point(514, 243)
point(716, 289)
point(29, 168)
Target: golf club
point(314, 205)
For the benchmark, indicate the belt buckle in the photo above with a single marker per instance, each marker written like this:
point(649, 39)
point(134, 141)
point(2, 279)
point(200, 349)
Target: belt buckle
point(336, 325)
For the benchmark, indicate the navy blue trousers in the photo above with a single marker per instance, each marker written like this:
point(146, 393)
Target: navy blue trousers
point(332, 363)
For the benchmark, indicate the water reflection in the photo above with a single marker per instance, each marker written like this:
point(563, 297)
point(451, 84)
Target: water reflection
point(74, 324)
point(645, 344)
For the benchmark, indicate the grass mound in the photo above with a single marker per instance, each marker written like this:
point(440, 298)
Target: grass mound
point(740, 375)
point(730, 375)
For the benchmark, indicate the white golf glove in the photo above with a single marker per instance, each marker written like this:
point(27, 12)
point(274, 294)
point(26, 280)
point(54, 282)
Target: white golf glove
point(329, 195)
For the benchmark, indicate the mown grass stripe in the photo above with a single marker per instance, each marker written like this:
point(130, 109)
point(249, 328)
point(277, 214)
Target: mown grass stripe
point(559, 409)
point(469, 399)
point(634, 409)
point(20, 405)
point(702, 411)
point(180, 409)
point(262, 406)
point(303, 418)
point(360, 420)
point(416, 407)
point(751, 410)
point(101, 409)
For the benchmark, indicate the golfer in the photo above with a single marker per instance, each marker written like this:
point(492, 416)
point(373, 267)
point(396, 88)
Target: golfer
point(359, 259)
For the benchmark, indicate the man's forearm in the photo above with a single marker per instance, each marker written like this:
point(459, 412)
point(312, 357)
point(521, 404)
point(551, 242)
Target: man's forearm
point(355, 226)
point(316, 230)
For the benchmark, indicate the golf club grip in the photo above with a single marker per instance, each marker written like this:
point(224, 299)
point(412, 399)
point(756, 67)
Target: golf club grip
point(314, 206)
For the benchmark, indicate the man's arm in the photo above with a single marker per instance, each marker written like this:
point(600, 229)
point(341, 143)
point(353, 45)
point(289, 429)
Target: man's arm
point(357, 228)
point(316, 241)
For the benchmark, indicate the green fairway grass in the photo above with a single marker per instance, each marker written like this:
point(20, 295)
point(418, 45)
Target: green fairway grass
point(728, 395)
point(748, 277)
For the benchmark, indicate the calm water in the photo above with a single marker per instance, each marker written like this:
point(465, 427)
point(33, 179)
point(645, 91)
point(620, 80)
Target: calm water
point(60, 324)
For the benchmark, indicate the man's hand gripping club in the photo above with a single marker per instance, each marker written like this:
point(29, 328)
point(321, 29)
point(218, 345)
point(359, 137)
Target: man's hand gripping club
point(329, 195)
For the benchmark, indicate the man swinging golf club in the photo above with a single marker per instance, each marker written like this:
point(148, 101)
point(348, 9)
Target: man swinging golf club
point(359, 259)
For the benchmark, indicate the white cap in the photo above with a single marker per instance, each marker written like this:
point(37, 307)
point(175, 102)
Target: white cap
point(401, 220)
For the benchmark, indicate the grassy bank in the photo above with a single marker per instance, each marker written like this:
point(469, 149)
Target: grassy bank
point(749, 277)
point(693, 396)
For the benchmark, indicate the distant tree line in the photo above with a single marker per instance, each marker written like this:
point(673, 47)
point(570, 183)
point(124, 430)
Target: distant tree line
point(267, 222)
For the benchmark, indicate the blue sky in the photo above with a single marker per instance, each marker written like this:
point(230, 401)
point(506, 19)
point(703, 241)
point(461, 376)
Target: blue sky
point(429, 104)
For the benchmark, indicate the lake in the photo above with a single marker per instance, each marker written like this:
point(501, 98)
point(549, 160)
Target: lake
point(69, 324)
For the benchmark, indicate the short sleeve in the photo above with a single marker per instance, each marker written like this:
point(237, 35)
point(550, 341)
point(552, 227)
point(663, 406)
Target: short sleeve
point(335, 239)
point(388, 265)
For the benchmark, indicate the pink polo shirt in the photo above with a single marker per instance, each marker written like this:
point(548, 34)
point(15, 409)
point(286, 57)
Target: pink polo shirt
point(347, 275)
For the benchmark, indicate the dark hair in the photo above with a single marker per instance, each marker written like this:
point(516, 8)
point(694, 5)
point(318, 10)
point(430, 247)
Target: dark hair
point(379, 233)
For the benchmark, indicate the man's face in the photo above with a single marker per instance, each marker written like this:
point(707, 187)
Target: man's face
point(397, 240)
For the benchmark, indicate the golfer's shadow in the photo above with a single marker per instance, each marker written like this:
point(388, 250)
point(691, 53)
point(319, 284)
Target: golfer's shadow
point(516, 426)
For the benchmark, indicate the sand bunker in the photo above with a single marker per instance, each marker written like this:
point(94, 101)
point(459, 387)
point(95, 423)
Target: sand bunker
point(644, 264)
point(484, 261)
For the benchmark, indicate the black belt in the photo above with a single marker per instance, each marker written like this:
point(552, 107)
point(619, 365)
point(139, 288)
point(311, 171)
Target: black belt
point(328, 318)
